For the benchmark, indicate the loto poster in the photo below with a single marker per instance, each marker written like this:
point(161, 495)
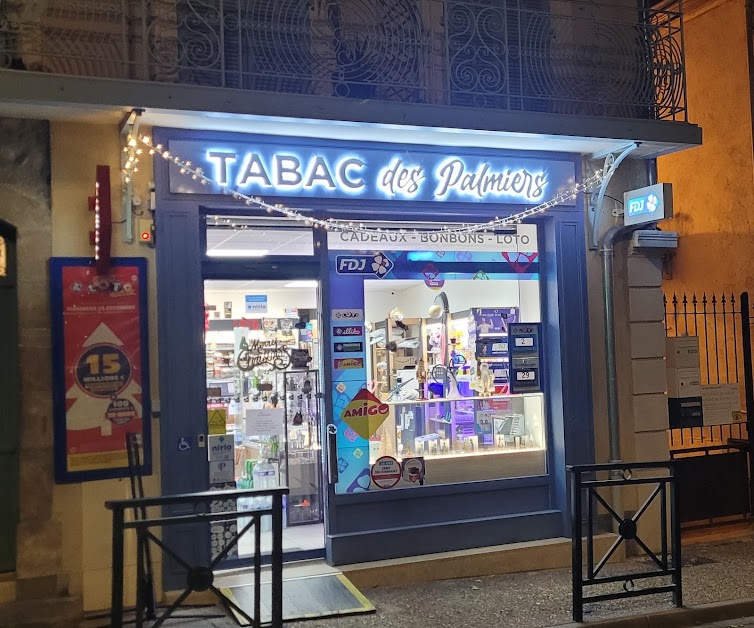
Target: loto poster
point(100, 367)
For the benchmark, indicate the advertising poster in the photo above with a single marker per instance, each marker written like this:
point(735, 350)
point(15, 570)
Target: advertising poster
point(100, 367)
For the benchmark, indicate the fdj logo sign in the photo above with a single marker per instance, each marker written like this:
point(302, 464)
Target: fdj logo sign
point(644, 205)
point(648, 204)
point(379, 265)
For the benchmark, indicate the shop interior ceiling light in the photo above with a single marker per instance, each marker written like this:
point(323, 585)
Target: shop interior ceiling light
point(197, 174)
point(236, 253)
point(302, 284)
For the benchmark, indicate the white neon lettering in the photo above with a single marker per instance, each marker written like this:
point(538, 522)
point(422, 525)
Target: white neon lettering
point(319, 174)
point(287, 170)
point(350, 175)
point(453, 175)
point(221, 160)
point(253, 169)
point(401, 179)
point(347, 179)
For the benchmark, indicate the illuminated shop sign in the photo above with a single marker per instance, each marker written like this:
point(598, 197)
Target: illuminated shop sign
point(281, 167)
point(514, 239)
point(648, 204)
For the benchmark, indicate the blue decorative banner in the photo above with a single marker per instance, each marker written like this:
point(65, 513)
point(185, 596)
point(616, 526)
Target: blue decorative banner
point(283, 167)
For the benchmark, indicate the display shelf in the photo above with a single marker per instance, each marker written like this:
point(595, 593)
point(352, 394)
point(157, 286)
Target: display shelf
point(303, 460)
point(457, 399)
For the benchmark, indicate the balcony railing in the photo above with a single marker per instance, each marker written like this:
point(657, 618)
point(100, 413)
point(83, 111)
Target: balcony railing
point(571, 57)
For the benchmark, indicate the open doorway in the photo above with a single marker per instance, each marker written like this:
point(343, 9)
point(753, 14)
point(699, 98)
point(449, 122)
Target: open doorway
point(264, 403)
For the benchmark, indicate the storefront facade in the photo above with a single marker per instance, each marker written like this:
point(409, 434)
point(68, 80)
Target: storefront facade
point(485, 481)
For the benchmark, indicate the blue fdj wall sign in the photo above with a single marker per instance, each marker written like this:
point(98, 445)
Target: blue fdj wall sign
point(289, 167)
point(648, 204)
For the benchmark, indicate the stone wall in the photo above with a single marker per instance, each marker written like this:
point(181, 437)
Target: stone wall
point(712, 184)
point(25, 203)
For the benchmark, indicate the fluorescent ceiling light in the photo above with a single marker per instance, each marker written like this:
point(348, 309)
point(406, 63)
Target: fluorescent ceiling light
point(236, 253)
point(302, 284)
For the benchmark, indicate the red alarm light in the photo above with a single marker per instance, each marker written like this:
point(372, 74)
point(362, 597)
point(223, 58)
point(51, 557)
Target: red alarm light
point(146, 231)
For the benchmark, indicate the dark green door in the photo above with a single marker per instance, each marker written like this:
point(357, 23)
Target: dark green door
point(9, 398)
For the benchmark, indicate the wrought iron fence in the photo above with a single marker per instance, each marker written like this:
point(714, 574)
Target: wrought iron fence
point(715, 460)
point(664, 574)
point(718, 321)
point(574, 57)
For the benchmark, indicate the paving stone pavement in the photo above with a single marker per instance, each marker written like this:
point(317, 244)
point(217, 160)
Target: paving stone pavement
point(744, 622)
point(713, 572)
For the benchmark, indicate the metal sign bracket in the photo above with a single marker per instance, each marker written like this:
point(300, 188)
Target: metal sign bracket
point(596, 208)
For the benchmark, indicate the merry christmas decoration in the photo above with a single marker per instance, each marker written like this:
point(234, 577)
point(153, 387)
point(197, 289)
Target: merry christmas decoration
point(196, 173)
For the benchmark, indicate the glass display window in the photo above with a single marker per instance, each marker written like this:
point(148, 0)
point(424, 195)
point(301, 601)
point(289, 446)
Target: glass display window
point(447, 369)
point(264, 401)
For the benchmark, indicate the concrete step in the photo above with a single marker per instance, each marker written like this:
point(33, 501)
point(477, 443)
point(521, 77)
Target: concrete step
point(44, 613)
point(487, 561)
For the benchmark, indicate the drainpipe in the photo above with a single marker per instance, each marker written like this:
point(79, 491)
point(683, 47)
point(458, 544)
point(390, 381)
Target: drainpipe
point(613, 235)
point(608, 255)
point(651, 171)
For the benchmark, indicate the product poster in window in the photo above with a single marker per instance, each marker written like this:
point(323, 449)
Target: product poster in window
point(421, 358)
point(100, 367)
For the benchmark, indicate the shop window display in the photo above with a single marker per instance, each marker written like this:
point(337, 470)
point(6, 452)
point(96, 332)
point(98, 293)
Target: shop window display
point(444, 383)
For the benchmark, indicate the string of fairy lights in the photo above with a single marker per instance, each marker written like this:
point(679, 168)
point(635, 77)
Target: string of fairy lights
point(187, 168)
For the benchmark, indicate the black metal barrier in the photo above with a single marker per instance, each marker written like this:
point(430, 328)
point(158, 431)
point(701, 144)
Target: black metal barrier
point(198, 577)
point(584, 492)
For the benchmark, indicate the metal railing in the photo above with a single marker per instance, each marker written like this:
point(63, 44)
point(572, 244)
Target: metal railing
point(722, 324)
point(584, 57)
point(660, 478)
point(198, 577)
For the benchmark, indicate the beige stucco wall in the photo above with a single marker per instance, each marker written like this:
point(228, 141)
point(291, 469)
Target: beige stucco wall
point(76, 150)
point(713, 185)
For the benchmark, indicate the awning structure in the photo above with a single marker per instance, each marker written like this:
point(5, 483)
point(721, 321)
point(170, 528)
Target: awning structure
point(55, 97)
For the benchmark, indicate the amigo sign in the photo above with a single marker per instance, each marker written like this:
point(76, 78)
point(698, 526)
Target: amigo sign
point(280, 167)
point(365, 413)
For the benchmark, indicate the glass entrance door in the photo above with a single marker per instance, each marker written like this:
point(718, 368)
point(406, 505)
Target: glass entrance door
point(264, 404)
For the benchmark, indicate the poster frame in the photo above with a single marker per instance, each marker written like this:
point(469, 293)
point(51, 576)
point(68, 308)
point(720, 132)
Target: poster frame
point(62, 474)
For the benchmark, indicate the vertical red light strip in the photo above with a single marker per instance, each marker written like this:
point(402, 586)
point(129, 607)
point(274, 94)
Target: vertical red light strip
point(103, 221)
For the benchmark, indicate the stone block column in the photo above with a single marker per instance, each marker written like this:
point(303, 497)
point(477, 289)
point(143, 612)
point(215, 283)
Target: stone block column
point(646, 320)
point(25, 203)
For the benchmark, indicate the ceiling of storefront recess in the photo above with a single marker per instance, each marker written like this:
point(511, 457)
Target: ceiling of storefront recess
point(258, 242)
point(560, 141)
point(363, 132)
